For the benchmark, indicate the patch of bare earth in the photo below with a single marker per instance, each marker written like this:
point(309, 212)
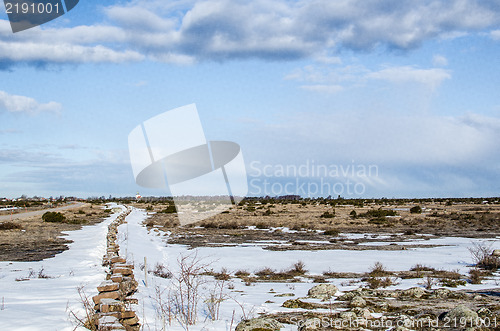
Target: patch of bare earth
point(32, 239)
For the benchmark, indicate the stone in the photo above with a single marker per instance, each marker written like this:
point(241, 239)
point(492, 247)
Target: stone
point(261, 324)
point(484, 312)
point(496, 252)
point(297, 303)
point(348, 316)
point(123, 271)
point(357, 301)
point(364, 313)
point(347, 296)
point(105, 295)
point(130, 321)
point(108, 286)
point(131, 301)
point(128, 314)
point(118, 278)
point(414, 292)
point(118, 259)
point(462, 311)
point(322, 291)
point(111, 305)
point(108, 322)
point(404, 321)
point(122, 265)
point(310, 324)
point(128, 287)
point(441, 293)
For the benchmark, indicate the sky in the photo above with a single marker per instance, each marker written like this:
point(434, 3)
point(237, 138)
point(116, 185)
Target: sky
point(371, 98)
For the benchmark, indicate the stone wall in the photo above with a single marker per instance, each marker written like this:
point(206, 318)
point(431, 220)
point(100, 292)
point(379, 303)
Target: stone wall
point(112, 304)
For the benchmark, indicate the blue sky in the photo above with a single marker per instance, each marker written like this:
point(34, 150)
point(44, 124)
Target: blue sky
point(409, 87)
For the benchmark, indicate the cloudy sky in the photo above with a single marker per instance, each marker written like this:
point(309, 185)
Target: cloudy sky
point(406, 89)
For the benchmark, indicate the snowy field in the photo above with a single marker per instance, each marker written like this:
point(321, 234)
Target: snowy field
point(31, 303)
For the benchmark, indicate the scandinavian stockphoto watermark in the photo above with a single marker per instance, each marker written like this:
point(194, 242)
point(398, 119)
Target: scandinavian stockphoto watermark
point(26, 14)
point(311, 179)
point(204, 177)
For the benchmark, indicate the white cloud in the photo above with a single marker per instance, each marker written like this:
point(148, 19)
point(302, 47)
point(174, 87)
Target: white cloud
point(324, 77)
point(495, 34)
point(439, 61)
point(188, 31)
point(22, 104)
point(407, 74)
point(323, 88)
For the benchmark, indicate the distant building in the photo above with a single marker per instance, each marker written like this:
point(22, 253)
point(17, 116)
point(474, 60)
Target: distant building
point(138, 196)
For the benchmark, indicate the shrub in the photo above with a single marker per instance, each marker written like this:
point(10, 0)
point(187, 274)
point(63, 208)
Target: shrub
point(477, 275)
point(353, 214)
point(378, 270)
point(10, 226)
point(483, 257)
point(265, 272)
point(378, 213)
point(161, 271)
point(299, 268)
point(53, 217)
point(378, 220)
point(327, 214)
point(268, 212)
point(416, 210)
point(169, 210)
point(331, 232)
point(242, 273)
point(377, 282)
point(261, 226)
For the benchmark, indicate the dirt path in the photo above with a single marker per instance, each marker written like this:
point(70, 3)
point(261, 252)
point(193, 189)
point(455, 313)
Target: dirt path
point(38, 212)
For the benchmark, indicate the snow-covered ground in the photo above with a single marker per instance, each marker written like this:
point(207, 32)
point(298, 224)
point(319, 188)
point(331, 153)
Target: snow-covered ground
point(45, 304)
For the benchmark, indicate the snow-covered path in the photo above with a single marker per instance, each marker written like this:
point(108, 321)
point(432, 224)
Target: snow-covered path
point(45, 303)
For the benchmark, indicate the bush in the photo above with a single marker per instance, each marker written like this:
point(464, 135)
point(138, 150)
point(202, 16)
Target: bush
point(299, 268)
point(327, 214)
point(10, 226)
point(378, 270)
point(376, 282)
point(476, 275)
point(169, 210)
point(378, 220)
point(53, 217)
point(353, 214)
point(331, 232)
point(376, 213)
point(416, 210)
point(483, 257)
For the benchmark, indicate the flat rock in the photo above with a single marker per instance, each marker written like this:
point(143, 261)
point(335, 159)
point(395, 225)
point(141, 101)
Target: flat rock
point(111, 305)
point(122, 271)
point(462, 312)
point(108, 286)
point(357, 301)
point(105, 295)
point(261, 324)
point(310, 324)
point(322, 291)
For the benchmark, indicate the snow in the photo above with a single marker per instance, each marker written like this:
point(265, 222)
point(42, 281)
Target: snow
point(45, 304)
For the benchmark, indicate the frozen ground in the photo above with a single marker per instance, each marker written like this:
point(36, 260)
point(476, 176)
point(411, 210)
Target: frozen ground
point(31, 303)
point(45, 303)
